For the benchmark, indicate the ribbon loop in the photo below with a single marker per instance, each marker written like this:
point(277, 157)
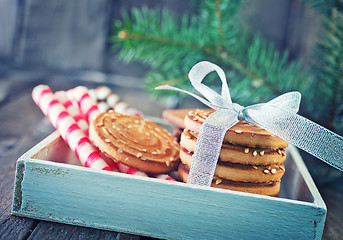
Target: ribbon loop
point(198, 72)
point(278, 116)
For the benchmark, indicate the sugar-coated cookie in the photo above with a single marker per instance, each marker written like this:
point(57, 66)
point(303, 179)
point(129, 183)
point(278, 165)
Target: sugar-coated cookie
point(239, 154)
point(241, 172)
point(264, 188)
point(136, 142)
point(243, 133)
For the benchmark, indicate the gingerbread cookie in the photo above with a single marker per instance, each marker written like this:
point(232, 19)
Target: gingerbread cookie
point(135, 142)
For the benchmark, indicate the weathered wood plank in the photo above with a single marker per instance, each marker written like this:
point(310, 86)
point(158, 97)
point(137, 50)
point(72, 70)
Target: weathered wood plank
point(158, 208)
point(50, 230)
point(11, 227)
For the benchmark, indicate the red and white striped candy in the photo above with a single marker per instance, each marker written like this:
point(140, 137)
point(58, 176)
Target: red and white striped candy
point(165, 177)
point(86, 104)
point(73, 111)
point(128, 170)
point(68, 128)
point(108, 100)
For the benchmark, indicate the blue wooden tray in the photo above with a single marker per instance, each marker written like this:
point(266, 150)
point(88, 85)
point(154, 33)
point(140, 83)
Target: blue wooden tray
point(50, 185)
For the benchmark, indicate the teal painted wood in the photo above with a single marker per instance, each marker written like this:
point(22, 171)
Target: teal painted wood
point(152, 207)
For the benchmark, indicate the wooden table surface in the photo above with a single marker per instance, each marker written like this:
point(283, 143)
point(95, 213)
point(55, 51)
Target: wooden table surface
point(23, 125)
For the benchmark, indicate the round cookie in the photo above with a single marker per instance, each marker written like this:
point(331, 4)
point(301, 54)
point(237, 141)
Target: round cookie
point(240, 172)
point(268, 189)
point(243, 133)
point(239, 154)
point(135, 142)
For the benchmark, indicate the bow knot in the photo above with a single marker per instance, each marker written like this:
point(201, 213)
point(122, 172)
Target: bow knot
point(278, 116)
point(239, 110)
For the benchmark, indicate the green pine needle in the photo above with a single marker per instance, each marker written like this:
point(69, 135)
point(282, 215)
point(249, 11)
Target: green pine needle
point(256, 71)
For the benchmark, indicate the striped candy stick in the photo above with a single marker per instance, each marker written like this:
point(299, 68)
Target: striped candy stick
point(68, 128)
point(128, 170)
point(108, 100)
point(86, 104)
point(73, 111)
point(165, 177)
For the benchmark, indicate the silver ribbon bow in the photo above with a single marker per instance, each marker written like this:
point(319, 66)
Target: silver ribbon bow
point(278, 116)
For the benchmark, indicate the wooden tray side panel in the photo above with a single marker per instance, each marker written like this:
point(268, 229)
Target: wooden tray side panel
point(157, 208)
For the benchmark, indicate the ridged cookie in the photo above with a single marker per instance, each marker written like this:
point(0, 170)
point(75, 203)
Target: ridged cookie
point(135, 142)
point(266, 188)
point(239, 154)
point(241, 172)
point(242, 133)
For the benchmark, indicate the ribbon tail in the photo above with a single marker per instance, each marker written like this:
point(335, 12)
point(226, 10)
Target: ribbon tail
point(208, 146)
point(301, 132)
point(204, 101)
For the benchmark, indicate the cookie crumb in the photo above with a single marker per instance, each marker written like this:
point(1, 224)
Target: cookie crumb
point(254, 153)
point(144, 150)
point(218, 181)
point(107, 140)
point(167, 163)
point(139, 154)
point(238, 131)
point(262, 153)
point(282, 168)
point(246, 150)
point(273, 171)
point(255, 167)
point(119, 150)
point(279, 151)
point(266, 171)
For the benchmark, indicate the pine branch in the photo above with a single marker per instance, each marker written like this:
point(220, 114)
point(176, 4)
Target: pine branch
point(328, 67)
point(325, 6)
point(212, 36)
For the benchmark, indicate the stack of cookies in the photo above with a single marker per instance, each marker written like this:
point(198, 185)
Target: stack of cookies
point(251, 158)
